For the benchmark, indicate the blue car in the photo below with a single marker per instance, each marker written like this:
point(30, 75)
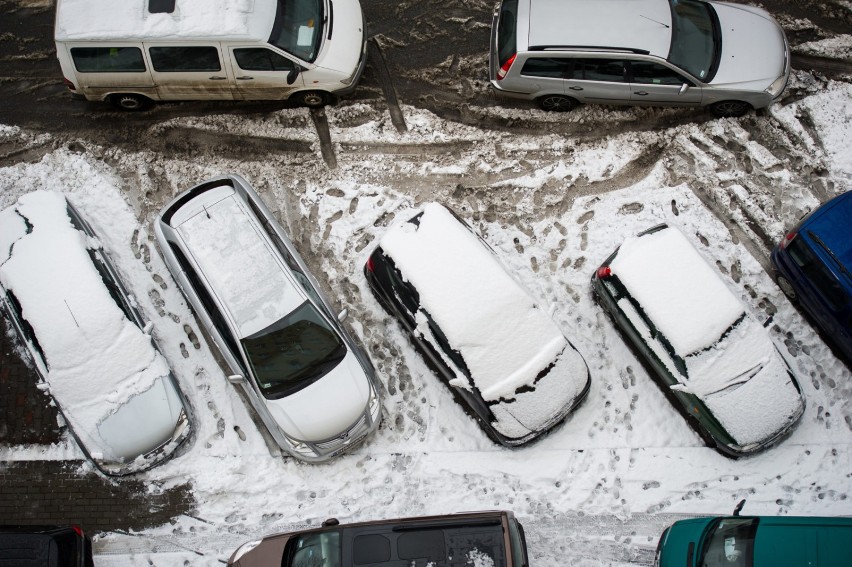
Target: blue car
point(811, 265)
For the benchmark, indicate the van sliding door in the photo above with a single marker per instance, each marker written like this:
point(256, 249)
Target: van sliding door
point(190, 72)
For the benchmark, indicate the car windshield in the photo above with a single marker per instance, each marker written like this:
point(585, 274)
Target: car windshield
point(696, 40)
point(298, 28)
point(313, 550)
point(729, 542)
point(294, 352)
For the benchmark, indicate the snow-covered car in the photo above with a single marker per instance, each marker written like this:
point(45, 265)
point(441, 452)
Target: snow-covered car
point(706, 351)
point(498, 351)
point(494, 539)
point(312, 386)
point(45, 546)
point(87, 337)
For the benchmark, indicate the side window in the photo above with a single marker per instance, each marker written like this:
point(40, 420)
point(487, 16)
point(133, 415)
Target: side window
point(207, 302)
point(546, 67)
point(29, 332)
point(184, 58)
point(371, 549)
point(649, 73)
point(111, 285)
point(454, 355)
point(610, 70)
point(261, 59)
point(108, 59)
point(406, 293)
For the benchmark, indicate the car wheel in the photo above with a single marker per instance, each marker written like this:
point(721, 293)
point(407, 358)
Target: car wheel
point(557, 103)
point(130, 102)
point(730, 108)
point(314, 99)
point(786, 287)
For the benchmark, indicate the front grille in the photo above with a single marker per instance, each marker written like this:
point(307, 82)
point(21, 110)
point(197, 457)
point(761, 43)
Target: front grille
point(353, 434)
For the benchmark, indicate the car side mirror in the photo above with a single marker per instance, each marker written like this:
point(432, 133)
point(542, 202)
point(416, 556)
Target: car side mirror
point(43, 386)
point(293, 74)
point(236, 379)
point(683, 88)
point(343, 315)
point(739, 507)
point(331, 522)
point(149, 326)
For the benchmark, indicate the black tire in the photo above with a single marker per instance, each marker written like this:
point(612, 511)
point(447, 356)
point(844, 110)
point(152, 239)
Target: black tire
point(557, 103)
point(314, 99)
point(129, 101)
point(786, 287)
point(730, 108)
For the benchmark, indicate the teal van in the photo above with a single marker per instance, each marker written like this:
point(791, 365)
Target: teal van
point(756, 541)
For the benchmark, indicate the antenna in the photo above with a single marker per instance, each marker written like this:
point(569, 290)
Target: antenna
point(655, 21)
point(71, 312)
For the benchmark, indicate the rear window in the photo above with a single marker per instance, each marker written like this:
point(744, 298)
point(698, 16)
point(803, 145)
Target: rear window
point(507, 30)
point(108, 59)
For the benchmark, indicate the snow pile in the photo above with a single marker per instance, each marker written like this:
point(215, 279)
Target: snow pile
point(502, 335)
point(97, 359)
point(677, 289)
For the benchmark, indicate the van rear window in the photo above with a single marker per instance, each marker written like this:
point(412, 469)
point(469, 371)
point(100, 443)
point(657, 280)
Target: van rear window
point(108, 59)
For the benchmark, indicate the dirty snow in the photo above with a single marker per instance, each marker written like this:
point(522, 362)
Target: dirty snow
point(599, 489)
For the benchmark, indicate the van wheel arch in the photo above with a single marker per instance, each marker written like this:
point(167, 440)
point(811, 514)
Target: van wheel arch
point(130, 101)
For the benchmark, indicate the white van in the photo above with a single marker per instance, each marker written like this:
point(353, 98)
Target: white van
point(132, 52)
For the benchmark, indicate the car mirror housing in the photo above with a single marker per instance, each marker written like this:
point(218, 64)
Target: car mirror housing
point(331, 522)
point(236, 379)
point(342, 315)
point(149, 326)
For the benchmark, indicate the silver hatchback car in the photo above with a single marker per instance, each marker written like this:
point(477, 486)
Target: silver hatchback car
point(729, 58)
point(311, 385)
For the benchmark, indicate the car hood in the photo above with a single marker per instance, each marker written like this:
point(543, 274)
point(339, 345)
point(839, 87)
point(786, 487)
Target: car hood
point(342, 52)
point(326, 408)
point(143, 423)
point(753, 47)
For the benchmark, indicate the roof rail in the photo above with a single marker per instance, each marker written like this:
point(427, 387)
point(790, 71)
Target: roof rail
point(606, 48)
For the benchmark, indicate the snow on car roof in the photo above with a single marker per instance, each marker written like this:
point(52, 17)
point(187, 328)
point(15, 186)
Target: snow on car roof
point(628, 24)
point(130, 19)
point(238, 261)
point(505, 339)
point(97, 359)
point(677, 289)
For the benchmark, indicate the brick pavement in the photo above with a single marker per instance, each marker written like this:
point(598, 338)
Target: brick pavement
point(63, 492)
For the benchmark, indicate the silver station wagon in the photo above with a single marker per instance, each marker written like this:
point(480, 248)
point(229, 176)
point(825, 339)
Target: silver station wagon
point(729, 58)
point(308, 381)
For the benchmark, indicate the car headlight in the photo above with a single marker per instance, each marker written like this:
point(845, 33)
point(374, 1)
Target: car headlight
point(777, 87)
point(245, 548)
point(303, 448)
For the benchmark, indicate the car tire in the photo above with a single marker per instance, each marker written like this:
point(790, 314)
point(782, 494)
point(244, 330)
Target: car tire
point(786, 287)
point(129, 101)
point(314, 99)
point(556, 103)
point(730, 108)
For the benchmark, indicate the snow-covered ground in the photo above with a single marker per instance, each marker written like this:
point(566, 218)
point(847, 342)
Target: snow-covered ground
point(601, 487)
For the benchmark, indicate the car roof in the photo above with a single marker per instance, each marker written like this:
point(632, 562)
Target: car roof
point(795, 540)
point(84, 335)
point(831, 223)
point(236, 258)
point(192, 19)
point(624, 24)
point(505, 339)
point(678, 290)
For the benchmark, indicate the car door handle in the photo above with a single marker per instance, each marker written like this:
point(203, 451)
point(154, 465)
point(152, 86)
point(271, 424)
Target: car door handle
point(576, 88)
point(218, 78)
point(640, 93)
point(245, 78)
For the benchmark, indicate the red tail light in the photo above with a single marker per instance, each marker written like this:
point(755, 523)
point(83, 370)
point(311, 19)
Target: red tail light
point(370, 263)
point(69, 84)
point(604, 272)
point(78, 530)
point(505, 68)
point(787, 240)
